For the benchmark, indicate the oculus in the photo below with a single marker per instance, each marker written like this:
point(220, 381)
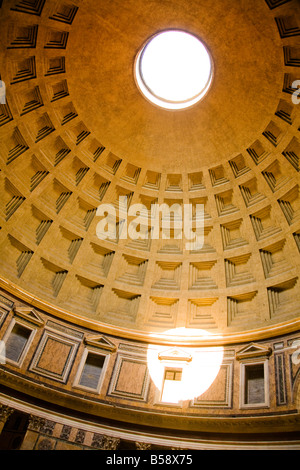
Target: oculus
point(174, 69)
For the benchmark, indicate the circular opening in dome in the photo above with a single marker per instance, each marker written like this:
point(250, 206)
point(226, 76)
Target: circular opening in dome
point(174, 69)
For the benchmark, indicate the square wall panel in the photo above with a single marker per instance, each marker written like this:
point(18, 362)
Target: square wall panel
point(54, 356)
point(130, 378)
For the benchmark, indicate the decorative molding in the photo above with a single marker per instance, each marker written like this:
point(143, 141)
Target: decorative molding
point(6, 302)
point(29, 314)
point(253, 350)
point(65, 330)
point(101, 342)
point(175, 354)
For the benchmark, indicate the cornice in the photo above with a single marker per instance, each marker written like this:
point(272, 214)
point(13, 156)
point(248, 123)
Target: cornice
point(263, 333)
point(143, 420)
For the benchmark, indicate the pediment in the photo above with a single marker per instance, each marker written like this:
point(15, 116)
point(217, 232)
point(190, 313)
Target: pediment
point(253, 350)
point(174, 354)
point(29, 314)
point(100, 341)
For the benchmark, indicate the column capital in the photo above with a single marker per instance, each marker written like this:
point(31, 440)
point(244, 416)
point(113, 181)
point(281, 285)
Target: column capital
point(35, 423)
point(5, 412)
point(142, 446)
point(109, 443)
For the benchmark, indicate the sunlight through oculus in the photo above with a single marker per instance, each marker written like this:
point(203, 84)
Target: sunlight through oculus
point(195, 368)
point(174, 70)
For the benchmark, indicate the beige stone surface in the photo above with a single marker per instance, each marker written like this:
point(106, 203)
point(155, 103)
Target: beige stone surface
point(76, 132)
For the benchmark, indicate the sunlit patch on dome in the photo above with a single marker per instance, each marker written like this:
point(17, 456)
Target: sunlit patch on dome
point(183, 373)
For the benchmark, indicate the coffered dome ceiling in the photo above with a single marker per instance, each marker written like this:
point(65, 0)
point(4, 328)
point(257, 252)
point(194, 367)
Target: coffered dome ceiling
point(77, 133)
